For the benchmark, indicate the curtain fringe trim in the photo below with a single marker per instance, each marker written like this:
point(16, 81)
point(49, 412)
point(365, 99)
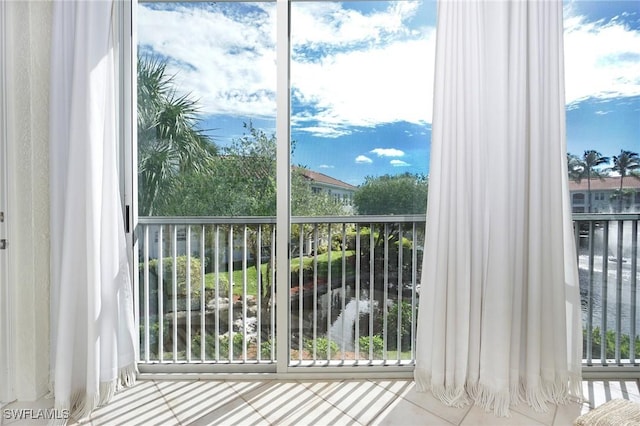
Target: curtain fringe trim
point(83, 403)
point(566, 388)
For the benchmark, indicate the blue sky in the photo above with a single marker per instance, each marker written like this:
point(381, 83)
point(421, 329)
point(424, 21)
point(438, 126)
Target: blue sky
point(362, 75)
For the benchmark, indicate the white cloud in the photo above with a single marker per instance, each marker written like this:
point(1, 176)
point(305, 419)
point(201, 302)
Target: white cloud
point(371, 69)
point(361, 159)
point(602, 59)
point(326, 166)
point(369, 87)
point(387, 152)
point(315, 24)
point(399, 163)
point(226, 61)
point(349, 69)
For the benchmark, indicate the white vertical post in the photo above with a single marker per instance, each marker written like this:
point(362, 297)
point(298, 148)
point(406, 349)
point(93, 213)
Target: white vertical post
point(6, 338)
point(283, 221)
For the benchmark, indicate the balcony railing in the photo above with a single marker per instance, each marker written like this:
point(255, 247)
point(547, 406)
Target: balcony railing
point(207, 290)
point(608, 267)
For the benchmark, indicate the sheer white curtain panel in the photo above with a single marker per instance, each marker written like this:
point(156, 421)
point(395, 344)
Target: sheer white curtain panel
point(92, 325)
point(499, 318)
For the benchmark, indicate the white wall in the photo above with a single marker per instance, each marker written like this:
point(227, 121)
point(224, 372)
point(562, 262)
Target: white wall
point(27, 45)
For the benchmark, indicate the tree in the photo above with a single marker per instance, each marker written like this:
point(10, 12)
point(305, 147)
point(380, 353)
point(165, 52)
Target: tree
point(169, 140)
point(626, 164)
point(392, 194)
point(589, 166)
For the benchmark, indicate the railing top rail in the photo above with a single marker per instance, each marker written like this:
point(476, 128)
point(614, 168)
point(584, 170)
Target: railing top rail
point(248, 220)
point(605, 216)
point(206, 220)
point(361, 219)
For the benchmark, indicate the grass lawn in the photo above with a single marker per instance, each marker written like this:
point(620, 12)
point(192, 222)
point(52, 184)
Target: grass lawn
point(252, 274)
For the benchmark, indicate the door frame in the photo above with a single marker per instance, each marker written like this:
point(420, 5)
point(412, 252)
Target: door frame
point(6, 312)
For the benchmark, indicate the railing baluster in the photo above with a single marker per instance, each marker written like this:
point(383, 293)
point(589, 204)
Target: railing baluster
point(174, 286)
point(300, 291)
point(245, 243)
point(216, 269)
point(619, 290)
point(414, 283)
point(146, 296)
point(259, 293)
point(230, 259)
point(590, 295)
point(604, 296)
point(344, 283)
point(399, 325)
point(203, 300)
point(316, 245)
point(634, 279)
point(356, 337)
point(160, 272)
point(385, 297)
point(372, 263)
point(188, 295)
point(329, 290)
point(272, 294)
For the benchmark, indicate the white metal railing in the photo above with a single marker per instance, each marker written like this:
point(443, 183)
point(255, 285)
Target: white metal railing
point(195, 303)
point(608, 266)
point(353, 290)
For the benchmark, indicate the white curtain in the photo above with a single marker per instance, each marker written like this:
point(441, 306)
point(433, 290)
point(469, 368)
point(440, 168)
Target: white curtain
point(499, 319)
point(92, 325)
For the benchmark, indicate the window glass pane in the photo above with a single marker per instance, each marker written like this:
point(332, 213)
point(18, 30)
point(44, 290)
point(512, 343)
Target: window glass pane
point(602, 70)
point(361, 95)
point(206, 108)
point(602, 79)
point(361, 90)
point(206, 147)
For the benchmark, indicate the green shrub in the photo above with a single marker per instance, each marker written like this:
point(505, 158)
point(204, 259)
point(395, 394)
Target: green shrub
point(265, 349)
point(378, 344)
point(223, 346)
point(322, 347)
point(237, 345)
point(181, 273)
point(405, 326)
point(596, 344)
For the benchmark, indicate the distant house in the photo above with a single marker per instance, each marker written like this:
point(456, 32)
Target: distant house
point(340, 191)
point(604, 195)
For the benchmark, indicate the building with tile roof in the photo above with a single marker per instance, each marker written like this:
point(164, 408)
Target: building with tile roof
point(603, 195)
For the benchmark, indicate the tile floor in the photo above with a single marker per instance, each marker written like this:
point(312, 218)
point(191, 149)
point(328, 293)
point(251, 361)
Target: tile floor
point(313, 402)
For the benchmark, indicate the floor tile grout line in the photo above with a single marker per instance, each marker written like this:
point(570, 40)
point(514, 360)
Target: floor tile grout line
point(338, 383)
point(166, 403)
point(372, 381)
point(248, 402)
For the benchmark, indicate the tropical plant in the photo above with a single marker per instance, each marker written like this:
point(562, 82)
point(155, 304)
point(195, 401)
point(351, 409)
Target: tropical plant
point(588, 167)
point(169, 140)
point(627, 163)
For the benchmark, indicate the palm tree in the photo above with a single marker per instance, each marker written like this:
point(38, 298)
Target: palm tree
point(587, 167)
point(169, 141)
point(626, 164)
point(574, 167)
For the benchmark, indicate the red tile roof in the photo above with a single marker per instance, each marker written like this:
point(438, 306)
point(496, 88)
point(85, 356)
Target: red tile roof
point(608, 183)
point(322, 178)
